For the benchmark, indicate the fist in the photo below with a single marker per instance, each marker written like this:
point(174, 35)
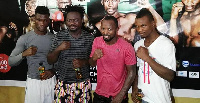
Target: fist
point(64, 45)
point(176, 8)
point(143, 3)
point(30, 51)
point(97, 54)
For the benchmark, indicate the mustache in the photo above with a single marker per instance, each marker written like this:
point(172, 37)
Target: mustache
point(72, 25)
point(105, 35)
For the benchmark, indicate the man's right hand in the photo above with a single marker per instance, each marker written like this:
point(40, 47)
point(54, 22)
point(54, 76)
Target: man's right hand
point(97, 54)
point(176, 8)
point(64, 45)
point(30, 51)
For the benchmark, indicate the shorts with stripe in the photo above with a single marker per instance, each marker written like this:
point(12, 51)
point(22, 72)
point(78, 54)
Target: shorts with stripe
point(72, 93)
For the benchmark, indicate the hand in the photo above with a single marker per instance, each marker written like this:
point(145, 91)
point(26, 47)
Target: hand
point(78, 63)
point(48, 74)
point(30, 51)
point(142, 53)
point(97, 54)
point(143, 3)
point(176, 8)
point(64, 45)
point(12, 26)
point(134, 97)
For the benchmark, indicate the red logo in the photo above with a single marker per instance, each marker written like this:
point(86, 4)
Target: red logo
point(4, 67)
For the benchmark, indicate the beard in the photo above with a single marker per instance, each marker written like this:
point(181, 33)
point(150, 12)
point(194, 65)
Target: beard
point(108, 39)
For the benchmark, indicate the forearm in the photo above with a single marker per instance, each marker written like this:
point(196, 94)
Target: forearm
point(129, 80)
point(52, 57)
point(173, 30)
point(160, 23)
point(160, 70)
point(135, 84)
point(92, 62)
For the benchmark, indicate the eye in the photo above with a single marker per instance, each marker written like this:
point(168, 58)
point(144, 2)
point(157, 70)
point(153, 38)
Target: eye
point(109, 29)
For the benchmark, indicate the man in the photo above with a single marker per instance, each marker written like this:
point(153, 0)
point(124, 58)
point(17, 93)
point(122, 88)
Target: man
point(70, 51)
point(35, 46)
point(62, 4)
point(155, 59)
point(114, 78)
point(188, 23)
point(3, 30)
point(30, 7)
point(126, 21)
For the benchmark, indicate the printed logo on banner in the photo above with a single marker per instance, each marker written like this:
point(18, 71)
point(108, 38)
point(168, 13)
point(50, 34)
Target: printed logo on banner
point(193, 74)
point(4, 67)
point(93, 74)
point(185, 63)
point(181, 73)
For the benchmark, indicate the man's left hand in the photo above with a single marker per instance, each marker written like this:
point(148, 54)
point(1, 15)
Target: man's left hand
point(48, 74)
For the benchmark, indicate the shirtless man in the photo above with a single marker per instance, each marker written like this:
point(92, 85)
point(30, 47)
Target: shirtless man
point(62, 4)
point(189, 21)
point(126, 21)
point(30, 7)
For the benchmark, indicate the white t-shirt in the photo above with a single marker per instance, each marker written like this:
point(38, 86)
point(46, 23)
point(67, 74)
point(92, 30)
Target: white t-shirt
point(155, 88)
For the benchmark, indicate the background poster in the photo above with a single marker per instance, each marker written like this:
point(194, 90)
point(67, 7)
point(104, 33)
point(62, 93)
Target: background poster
point(188, 58)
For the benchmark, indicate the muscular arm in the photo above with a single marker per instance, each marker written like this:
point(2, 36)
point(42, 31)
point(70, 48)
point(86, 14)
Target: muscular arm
point(160, 23)
point(131, 72)
point(176, 8)
point(92, 62)
point(52, 56)
point(135, 89)
point(16, 57)
point(160, 70)
point(173, 30)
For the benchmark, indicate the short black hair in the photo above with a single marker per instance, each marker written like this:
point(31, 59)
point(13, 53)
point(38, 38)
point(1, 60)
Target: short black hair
point(111, 18)
point(145, 12)
point(42, 10)
point(74, 8)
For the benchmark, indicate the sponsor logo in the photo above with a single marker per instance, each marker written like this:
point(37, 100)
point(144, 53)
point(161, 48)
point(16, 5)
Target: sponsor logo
point(181, 73)
point(185, 63)
point(193, 74)
point(4, 67)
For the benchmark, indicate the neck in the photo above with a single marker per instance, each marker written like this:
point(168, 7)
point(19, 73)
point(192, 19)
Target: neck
point(151, 38)
point(75, 34)
point(116, 15)
point(40, 33)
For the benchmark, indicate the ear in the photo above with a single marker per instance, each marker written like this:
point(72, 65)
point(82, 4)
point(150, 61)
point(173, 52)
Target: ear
point(83, 20)
point(153, 24)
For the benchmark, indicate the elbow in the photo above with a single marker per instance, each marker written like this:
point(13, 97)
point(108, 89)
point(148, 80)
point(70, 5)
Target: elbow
point(50, 59)
point(92, 63)
point(171, 77)
point(11, 62)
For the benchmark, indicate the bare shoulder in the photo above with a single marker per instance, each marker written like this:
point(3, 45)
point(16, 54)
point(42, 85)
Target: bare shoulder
point(131, 16)
point(98, 24)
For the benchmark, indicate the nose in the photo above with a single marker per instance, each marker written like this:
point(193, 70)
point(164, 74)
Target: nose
point(139, 29)
point(105, 31)
point(110, 3)
point(189, 2)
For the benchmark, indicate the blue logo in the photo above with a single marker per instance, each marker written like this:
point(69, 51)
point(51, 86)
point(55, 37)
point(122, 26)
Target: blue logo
point(185, 63)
